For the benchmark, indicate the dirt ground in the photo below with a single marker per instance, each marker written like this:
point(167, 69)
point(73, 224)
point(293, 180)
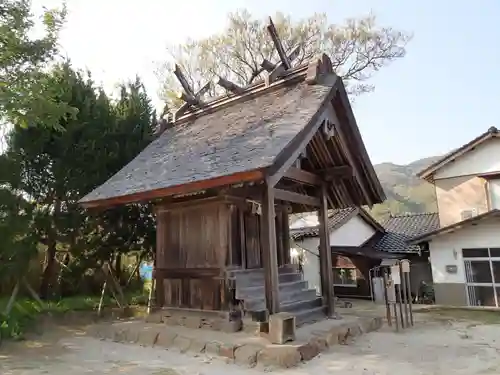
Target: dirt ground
point(442, 342)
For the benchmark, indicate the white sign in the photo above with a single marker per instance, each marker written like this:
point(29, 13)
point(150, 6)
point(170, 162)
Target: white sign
point(395, 276)
point(405, 265)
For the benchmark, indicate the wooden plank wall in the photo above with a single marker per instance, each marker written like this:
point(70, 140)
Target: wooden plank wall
point(192, 250)
point(195, 244)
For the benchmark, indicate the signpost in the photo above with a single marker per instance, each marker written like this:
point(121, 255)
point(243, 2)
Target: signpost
point(397, 293)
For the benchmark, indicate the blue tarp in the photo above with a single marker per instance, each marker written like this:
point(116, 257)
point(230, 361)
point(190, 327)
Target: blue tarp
point(146, 271)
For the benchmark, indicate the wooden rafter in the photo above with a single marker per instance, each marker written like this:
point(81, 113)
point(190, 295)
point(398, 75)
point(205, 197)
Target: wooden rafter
point(230, 86)
point(336, 173)
point(290, 196)
point(190, 100)
point(302, 176)
point(278, 45)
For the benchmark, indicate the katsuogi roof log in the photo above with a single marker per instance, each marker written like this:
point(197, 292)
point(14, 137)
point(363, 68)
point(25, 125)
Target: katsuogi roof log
point(238, 138)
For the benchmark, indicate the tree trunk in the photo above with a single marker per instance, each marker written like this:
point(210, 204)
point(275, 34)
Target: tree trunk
point(118, 268)
point(50, 267)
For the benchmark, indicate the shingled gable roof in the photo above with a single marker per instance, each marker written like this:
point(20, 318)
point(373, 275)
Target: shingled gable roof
point(336, 219)
point(428, 172)
point(402, 229)
point(495, 213)
point(232, 140)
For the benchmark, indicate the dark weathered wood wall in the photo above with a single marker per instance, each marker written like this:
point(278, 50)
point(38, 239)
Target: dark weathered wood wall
point(197, 242)
point(193, 247)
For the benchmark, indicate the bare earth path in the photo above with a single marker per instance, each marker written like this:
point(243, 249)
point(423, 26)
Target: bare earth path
point(432, 347)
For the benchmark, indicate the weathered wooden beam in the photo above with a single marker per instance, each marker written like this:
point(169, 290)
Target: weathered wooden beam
point(288, 156)
point(197, 100)
point(269, 251)
point(280, 68)
point(302, 176)
point(325, 254)
point(286, 235)
point(290, 196)
point(230, 86)
point(183, 81)
point(278, 45)
point(346, 149)
point(336, 173)
point(268, 65)
point(187, 98)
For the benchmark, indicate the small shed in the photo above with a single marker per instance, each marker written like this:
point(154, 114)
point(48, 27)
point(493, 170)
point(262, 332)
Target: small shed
point(225, 174)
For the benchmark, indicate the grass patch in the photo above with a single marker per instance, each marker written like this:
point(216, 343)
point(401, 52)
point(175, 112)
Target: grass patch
point(462, 314)
point(25, 311)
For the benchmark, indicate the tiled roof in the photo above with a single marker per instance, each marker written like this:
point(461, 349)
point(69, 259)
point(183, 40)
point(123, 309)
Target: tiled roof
point(335, 218)
point(403, 228)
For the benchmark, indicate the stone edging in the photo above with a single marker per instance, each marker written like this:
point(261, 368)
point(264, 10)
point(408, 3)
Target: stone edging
point(249, 355)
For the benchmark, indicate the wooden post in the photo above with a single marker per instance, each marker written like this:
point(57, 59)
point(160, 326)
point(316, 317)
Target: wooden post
point(286, 235)
point(325, 254)
point(269, 253)
point(158, 263)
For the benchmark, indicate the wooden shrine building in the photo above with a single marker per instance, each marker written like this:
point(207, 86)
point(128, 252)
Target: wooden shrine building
point(225, 174)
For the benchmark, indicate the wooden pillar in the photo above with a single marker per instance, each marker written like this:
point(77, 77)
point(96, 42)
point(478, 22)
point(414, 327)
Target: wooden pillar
point(269, 251)
point(325, 253)
point(286, 235)
point(159, 257)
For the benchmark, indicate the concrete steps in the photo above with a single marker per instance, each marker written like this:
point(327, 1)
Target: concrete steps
point(295, 295)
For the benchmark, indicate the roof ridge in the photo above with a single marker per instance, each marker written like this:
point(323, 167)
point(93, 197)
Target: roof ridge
point(410, 214)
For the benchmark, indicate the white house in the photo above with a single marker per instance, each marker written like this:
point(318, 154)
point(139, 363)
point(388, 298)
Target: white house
point(465, 249)
point(358, 244)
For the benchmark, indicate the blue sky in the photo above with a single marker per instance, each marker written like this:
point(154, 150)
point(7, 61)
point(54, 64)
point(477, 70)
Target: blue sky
point(442, 94)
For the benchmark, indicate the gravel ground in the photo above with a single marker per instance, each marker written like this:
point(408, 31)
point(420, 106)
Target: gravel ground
point(432, 347)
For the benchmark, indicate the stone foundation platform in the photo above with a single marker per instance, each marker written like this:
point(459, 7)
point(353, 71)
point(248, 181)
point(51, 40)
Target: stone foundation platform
point(240, 347)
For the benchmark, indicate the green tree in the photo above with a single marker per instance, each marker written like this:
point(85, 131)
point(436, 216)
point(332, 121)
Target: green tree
point(57, 168)
point(25, 86)
point(358, 49)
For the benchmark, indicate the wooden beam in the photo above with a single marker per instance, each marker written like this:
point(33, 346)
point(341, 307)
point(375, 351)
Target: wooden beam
point(196, 100)
point(230, 86)
point(269, 251)
point(289, 196)
point(191, 187)
point(183, 81)
point(302, 176)
point(288, 156)
point(325, 254)
point(267, 65)
point(346, 149)
point(336, 173)
point(281, 68)
point(286, 235)
point(277, 44)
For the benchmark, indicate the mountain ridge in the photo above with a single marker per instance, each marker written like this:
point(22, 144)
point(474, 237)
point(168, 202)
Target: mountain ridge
point(404, 190)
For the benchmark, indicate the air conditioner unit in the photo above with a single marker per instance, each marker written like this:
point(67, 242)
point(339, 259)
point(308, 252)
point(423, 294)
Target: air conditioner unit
point(468, 214)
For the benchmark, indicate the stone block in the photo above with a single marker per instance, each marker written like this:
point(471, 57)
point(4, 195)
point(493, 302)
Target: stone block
point(154, 318)
point(197, 346)
point(308, 351)
point(166, 338)
point(246, 355)
point(192, 322)
point(120, 334)
point(182, 343)
point(343, 335)
point(227, 350)
point(147, 337)
point(171, 321)
point(281, 328)
point(332, 337)
point(133, 333)
point(279, 355)
point(231, 326)
point(213, 347)
point(320, 343)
